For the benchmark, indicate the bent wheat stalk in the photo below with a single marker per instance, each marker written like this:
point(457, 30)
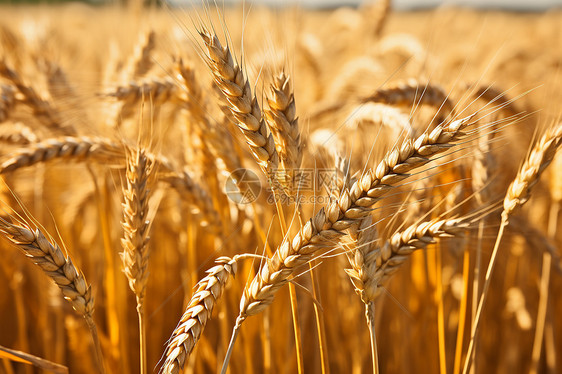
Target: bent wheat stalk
point(33, 360)
point(70, 148)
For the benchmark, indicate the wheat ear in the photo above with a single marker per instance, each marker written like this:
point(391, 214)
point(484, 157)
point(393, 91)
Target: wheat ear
point(17, 133)
point(244, 107)
point(498, 97)
point(215, 135)
point(196, 196)
point(380, 12)
point(518, 193)
point(135, 241)
point(75, 148)
point(105, 150)
point(199, 309)
point(7, 101)
point(141, 61)
point(351, 206)
point(158, 91)
point(284, 125)
point(372, 265)
point(42, 109)
point(543, 152)
point(363, 261)
point(51, 259)
point(412, 92)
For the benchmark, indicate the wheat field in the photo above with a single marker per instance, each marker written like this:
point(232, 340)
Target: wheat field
point(256, 190)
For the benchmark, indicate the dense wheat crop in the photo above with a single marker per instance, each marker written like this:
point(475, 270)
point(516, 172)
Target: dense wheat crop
point(280, 190)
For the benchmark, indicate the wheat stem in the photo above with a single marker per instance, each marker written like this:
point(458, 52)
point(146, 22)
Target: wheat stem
point(543, 295)
point(233, 337)
point(463, 310)
point(370, 316)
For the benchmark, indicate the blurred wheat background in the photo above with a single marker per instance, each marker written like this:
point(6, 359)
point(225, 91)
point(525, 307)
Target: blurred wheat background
point(124, 129)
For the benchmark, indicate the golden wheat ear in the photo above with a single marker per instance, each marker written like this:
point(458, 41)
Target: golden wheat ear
point(244, 107)
point(284, 125)
point(59, 267)
point(198, 312)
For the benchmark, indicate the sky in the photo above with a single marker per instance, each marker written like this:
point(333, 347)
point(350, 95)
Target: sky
point(408, 4)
